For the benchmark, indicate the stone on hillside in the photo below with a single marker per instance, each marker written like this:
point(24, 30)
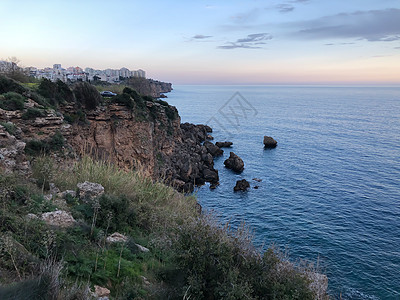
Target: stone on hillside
point(269, 142)
point(89, 191)
point(65, 194)
point(53, 189)
point(141, 248)
point(32, 217)
point(58, 218)
point(241, 185)
point(234, 162)
point(223, 144)
point(117, 238)
point(101, 291)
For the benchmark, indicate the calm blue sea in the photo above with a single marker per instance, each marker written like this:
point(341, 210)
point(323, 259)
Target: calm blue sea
point(330, 191)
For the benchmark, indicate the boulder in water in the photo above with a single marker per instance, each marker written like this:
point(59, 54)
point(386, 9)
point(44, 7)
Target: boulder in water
point(234, 162)
point(223, 144)
point(241, 185)
point(270, 142)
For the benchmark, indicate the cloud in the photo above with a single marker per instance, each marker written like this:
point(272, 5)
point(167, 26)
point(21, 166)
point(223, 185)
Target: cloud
point(201, 37)
point(284, 7)
point(396, 48)
point(252, 41)
point(247, 17)
point(373, 25)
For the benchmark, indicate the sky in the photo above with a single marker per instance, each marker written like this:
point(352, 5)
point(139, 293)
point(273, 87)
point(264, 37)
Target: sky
point(211, 42)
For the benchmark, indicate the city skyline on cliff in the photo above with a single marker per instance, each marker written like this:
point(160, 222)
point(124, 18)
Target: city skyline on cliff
point(214, 42)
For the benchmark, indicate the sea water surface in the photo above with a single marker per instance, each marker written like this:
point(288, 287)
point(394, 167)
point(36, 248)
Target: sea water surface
point(330, 191)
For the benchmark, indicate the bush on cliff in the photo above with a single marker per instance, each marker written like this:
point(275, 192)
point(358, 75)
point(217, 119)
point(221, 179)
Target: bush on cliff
point(57, 92)
point(10, 85)
point(54, 143)
point(86, 95)
point(12, 101)
point(124, 99)
point(32, 113)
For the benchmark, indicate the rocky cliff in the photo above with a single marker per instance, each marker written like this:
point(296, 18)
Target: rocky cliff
point(140, 133)
point(149, 87)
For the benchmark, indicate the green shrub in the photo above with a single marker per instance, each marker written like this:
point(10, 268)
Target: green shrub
point(78, 117)
point(64, 92)
point(220, 263)
point(12, 101)
point(48, 89)
point(116, 213)
point(57, 92)
point(43, 171)
point(10, 127)
point(10, 85)
point(171, 113)
point(87, 95)
point(35, 147)
point(124, 99)
point(32, 113)
point(136, 97)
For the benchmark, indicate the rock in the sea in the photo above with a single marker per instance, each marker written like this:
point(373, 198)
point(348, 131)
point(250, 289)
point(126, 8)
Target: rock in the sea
point(241, 185)
point(213, 149)
point(58, 218)
point(269, 142)
point(223, 144)
point(89, 191)
point(257, 179)
point(213, 186)
point(234, 162)
point(211, 175)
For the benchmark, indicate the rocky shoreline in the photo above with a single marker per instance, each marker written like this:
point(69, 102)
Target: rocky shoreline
point(133, 131)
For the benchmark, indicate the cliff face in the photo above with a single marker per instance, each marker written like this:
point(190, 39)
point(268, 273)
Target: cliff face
point(149, 138)
point(149, 87)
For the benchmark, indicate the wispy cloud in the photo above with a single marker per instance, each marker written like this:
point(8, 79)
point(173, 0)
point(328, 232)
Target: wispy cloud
point(201, 37)
point(252, 41)
point(373, 25)
point(284, 7)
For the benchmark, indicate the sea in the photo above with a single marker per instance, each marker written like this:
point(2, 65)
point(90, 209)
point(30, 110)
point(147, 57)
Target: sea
point(330, 190)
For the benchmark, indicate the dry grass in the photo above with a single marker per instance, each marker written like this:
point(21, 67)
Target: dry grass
point(159, 204)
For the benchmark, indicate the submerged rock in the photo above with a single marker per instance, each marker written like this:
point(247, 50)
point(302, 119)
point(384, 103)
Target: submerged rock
point(234, 162)
point(241, 185)
point(270, 142)
point(224, 144)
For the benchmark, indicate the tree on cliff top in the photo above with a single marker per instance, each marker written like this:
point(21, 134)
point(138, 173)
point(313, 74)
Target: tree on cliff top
point(87, 95)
